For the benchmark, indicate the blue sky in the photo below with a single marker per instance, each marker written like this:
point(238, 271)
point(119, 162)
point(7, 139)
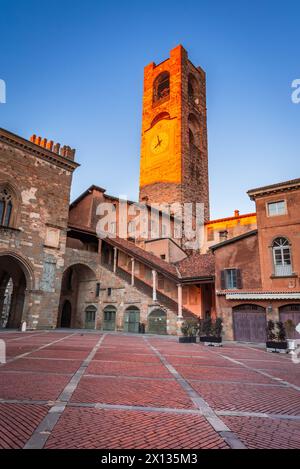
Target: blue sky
point(74, 73)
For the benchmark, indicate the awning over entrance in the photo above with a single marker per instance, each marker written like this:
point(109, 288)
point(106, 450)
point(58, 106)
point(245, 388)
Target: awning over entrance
point(263, 296)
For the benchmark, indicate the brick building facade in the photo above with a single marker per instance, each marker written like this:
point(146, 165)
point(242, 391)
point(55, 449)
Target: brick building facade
point(258, 272)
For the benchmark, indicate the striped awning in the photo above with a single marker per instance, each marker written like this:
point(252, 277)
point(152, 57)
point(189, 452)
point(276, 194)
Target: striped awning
point(263, 296)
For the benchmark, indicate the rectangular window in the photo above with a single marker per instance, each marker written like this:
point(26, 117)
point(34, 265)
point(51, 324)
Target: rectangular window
point(231, 279)
point(97, 289)
point(276, 208)
point(210, 234)
point(109, 292)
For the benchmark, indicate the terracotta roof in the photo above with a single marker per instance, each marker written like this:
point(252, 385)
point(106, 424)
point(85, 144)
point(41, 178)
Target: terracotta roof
point(281, 186)
point(148, 257)
point(233, 240)
point(197, 265)
point(219, 220)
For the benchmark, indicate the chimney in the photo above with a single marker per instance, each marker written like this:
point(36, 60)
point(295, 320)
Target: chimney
point(236, 213)
point(223, 235)
point(65, 151)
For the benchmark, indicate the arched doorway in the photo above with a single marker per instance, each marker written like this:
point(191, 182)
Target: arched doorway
point(157, 322)
point(109, 318)
point(249, 323)
point(132, 319)
point(290, 313)
point(66, 315)
point(78, 288)
point(90, 317)
point(14, 280)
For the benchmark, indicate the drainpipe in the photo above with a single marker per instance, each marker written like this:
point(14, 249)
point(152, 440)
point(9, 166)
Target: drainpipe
point(132, 271)
point(115, 259)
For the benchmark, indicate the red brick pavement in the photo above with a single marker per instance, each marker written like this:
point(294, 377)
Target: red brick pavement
point(150, 370)
point(141, 380)
point(264, 433)
point(138, 392)
point(94, 428)
point(248, 398)
point(32, 386)
point(126, 357)
point(222, 374)
point(42, 365)
point(17, 422)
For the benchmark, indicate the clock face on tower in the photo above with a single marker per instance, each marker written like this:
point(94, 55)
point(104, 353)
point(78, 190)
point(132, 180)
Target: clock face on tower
point(159, 142)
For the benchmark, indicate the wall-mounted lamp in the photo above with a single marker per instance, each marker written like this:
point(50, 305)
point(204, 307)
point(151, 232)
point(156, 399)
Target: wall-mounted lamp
point(269, 309)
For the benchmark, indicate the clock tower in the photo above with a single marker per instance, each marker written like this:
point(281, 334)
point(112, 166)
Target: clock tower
point(174, 159)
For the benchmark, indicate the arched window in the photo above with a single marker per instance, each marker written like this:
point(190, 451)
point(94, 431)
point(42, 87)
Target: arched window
point(193, 89)
point(6, 207)
point(159, 117)
point(161, 87)
point(282, 257)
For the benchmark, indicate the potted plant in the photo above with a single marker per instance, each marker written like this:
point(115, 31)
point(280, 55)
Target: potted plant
point(290, 328)
point(189, 331)
point(276, 337)
point(211, 333)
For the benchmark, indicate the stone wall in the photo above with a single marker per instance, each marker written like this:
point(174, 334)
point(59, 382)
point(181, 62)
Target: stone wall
point(34, 242)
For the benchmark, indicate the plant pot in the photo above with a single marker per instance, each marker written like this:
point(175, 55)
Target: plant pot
point(277, 347)
point(212, 341)
point(187, 340)
point(292, 344)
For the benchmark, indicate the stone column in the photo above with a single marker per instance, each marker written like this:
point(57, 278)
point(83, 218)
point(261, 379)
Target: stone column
point(132, 271)
point(154, 276)
point(179, 296)
point(115, 259)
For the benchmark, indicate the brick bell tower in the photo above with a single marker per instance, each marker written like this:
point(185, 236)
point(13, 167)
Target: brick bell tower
point(174, 157)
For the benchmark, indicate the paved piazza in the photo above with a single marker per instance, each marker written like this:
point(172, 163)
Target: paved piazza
point(90, 390)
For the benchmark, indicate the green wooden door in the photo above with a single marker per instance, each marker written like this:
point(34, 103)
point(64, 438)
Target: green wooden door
point(109, 319)
point(157, 322)
point(90, 317)
point(132, 320)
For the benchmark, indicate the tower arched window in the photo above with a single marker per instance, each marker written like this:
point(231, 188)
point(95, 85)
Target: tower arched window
point(193, 89)
point(6, 207)
point(161, 87)
point(282, 257)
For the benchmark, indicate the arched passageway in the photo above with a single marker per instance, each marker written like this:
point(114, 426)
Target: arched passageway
point(78, 293)
point(14, 280)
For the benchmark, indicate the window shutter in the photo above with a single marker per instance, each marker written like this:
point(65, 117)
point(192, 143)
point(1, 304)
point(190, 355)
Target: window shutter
point(223, 280)
point(239, 283)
